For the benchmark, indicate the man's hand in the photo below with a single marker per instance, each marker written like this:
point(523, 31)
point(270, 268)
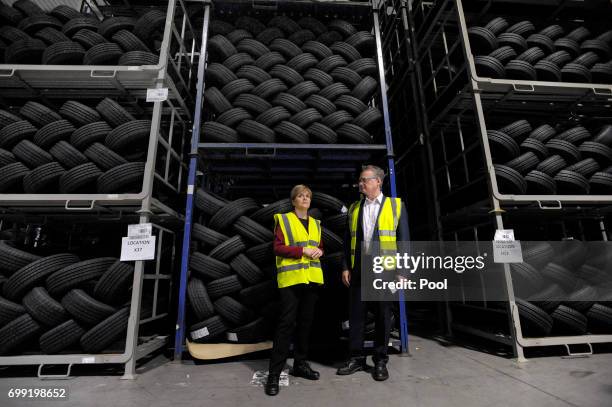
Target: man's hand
point(346, 278)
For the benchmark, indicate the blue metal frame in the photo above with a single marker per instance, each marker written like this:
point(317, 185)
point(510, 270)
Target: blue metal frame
point(391, 161)
point(179, 338)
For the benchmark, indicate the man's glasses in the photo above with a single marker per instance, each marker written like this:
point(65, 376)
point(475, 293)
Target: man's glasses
point(365, 179)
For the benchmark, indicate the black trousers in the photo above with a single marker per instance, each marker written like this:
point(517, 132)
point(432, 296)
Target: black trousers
point(297, 304)
point(357, 319)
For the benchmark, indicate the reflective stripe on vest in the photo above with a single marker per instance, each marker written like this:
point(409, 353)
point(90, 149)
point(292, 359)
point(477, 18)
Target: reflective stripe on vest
point(291, 271)
point(388, 220)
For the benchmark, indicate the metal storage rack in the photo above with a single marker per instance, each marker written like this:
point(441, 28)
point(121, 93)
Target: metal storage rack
point(454, 106)
point(240, 160)
point(165, 164)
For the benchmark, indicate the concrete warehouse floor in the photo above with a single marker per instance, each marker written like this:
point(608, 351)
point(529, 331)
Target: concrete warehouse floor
point(436, 374)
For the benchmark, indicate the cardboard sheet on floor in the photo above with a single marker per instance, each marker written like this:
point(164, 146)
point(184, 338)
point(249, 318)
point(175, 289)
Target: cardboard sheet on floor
point(208, 351)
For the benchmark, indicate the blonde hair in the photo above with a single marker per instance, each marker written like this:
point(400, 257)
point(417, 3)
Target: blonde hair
point(298, 189)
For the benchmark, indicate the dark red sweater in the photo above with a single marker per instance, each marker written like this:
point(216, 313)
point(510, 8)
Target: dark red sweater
point(282, 250)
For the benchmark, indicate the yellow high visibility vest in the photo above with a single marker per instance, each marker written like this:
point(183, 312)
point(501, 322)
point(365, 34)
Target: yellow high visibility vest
point(388, 219)
point(292, 271)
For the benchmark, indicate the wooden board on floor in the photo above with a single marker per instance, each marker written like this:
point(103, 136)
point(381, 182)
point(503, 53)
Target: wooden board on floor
point(209, 351)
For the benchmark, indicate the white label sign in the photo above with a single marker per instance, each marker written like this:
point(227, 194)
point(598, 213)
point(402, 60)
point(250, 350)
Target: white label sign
point(137, 249)
point(231, 336)
point(507, 251)
point(504, 234)
point(200, 333)
point(157, 95)
point(139, 231)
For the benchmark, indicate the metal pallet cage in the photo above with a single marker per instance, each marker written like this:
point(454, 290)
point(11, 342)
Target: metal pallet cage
point(267, 170)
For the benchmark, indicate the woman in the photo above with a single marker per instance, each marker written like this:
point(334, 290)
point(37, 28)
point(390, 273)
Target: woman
point(298, 248)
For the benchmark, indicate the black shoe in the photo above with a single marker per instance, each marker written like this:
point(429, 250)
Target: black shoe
point(351, 366)
point(303, 369)
point(271, 388)
point(380, 372)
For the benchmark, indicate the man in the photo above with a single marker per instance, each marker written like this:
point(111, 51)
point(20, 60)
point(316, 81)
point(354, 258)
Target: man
point(374, 218)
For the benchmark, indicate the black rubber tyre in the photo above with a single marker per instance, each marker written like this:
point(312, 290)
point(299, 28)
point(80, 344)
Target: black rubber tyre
point(547, 71)
point(363, 41)
point(232, 311)
point(112, 25)
point(599, 318)
point(320, 133)
point(61, 337)
point(207, 236)
point(113, 112)
point(6, 158)
point(11, 176)
point(319, 50)
point(208, 202)
point(509, 181)
point(234, 88)
point(228, 249)
point(270, 59)
point(86, 309)
point(353, 134)
point(576, 73)
point(343, 27)
point(273, 116)
point(220, 27)
point(125, 178)
point(540, 183)
point(208, 330)
point(336, 119)
point(291, 133)
point(336, 223)
point(285, 47)
point(568, 46)
point(149, 24)
point(536, 147)
point(106, 332)
point(51, 36)
point(129, 136)
point(261, 254)
point(216, 100)
point(523, 163)
point(587, 59)
point(301, 36)
point(105, 158)
point(220, 48)
point(80, 179)
point(219, 74)
point(504, 54)
point(582, 298)
point(12, 134)
point(234, 62)
point(560, 275)
point(351, 104)
point(199, 300)
point(253, 332)
point(565, 149)
point(503, 147)
point(67, 155)
point(251, 103)
point(265, 215)
point(568, 321)
point(332, 92)
point(601, 183)
point(43, 308)
point(544, 42)
point(270, 34)
point(482, 40)
point(604, 135)
point(129, 42)
point(306, 117)
point(598, 151)
point(79, 113)
point(114, 285)
point(586, 167)
point(75, 274)
point(34, 23)
point(251, 48)
point(247, 270)
point(312, 24)
point(368, 119)
point(43, 179)
point(289, 102)
point(602, 73)
point(88, 38)
point(231, 211)
point(223, 286)
point(525, 278)
point(288, 25)
point(208, 268)
point(7, 118)
point(489, 67)
point(238, 35)
point(570, 182)
point(17, 333)
point(522, 70)
point(31, 155)
point(138, 58)
point(51, 133)
point(12, 260)
point(217, 132)
point(107, 53)
point(365, 89)
point(543, 133)
point(335, 61)
point(322, 104)
point(288, 75)
point(38, 114)
point(599, 47)
point(33, 272)
point(548, 298)
point(250, 24)
point(255, 131)
point(233, 117)
point(534, 320)
point(270, 88)
point(516, 41)
point(318, 77)
point(253, 74)
point(304, 89)
point(9, 15)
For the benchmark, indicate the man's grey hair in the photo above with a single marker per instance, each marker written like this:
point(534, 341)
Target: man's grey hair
point(378, 172)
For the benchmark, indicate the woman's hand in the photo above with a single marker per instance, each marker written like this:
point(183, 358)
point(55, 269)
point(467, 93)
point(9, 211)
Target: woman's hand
point(346, 278)
point(312, 253)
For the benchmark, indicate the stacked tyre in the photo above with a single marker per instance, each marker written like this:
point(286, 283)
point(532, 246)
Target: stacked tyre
point(72, 150)
point(232, 288)
point(551, 54)
point(564, 290)
point(65, 36)
point(288, 81)
point(549, 160)
point(61, 303)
